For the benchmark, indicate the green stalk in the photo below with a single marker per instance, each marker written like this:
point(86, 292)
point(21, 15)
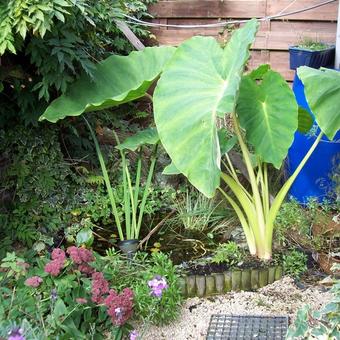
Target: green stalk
point(130, 208)
point(234, 176)
point(256, 194)
point(106, 180)
point(247, 206)
point(127, 208)
point(146, 189)
point(126, 199)
point(134, 232)
point(246, 228)
point(283, 192)
point(138, 176)
point(265, 192)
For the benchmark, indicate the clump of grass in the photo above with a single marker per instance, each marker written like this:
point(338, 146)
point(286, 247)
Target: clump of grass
point(313, 45)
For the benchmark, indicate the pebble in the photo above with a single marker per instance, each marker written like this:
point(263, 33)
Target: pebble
point(282, 297)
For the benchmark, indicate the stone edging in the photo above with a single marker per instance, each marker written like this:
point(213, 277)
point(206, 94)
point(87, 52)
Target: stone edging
point(234, 280)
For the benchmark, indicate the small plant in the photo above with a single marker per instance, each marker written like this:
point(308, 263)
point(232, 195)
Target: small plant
point(228, 253)
point(295, 263)
point(133, 206)
point(196, 212)
point(312, 44)
point(323, 324)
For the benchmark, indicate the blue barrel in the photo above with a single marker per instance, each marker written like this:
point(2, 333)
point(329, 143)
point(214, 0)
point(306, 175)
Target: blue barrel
point(317, 178)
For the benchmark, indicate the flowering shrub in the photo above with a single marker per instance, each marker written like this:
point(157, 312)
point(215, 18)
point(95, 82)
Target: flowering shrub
point(99, 287)
point(157, 285)
point(34, 281)
point(120, 306)
point(61, 300)
point(58, 261)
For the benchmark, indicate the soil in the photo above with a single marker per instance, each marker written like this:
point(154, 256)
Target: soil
point(283, 297)
point(192, 268)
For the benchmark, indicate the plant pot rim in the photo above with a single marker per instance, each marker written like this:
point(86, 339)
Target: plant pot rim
point(133, 240)
point(297, 47)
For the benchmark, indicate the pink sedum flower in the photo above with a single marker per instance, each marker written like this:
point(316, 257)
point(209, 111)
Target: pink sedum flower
point(58, 254)
point(100, 287)
point(34, 281)
point(157, 285)
point(120, 306)
point(85, 268)
point(81, 301)
point(80, 255)
point(54, 267)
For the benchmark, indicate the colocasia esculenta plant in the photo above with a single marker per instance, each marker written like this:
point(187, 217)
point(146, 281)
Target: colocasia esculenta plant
point(200, 83)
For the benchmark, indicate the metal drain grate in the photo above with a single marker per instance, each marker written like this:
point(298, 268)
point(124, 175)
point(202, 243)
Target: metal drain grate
point(247, 327)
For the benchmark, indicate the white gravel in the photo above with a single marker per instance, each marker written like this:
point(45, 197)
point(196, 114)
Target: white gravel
point(282, 297)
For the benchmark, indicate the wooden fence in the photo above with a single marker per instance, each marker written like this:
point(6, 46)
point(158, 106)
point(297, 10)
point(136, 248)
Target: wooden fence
point(273, 38)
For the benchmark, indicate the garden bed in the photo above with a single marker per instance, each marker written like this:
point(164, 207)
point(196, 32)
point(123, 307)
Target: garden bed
point(282, 297)
point(220, 282)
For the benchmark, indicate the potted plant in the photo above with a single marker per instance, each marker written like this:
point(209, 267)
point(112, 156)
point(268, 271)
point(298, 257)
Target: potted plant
point(201, 82)
point(133, 207)
point(311, 53)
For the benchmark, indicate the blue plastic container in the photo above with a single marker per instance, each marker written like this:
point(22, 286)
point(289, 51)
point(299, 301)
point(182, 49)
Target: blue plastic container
point(316, 179)
point(316, 59)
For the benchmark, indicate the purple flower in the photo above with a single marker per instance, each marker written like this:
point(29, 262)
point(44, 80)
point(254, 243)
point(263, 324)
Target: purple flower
point(157, 285)
point(133, 335)
point(54, 294)
point(16, 334)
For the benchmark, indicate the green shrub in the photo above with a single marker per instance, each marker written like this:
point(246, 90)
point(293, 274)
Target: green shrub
point(66, 297)
point(228, 253)
point(295, 263)
point(135, 275)
point(46, 44)
point(323, 324)
point(37, 181)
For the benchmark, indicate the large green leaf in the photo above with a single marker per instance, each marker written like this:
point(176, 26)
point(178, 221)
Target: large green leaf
point(305, 120)
point(148, 136)
point(267, 110)
point(116, 80)
point(199, 84)
point(226, 142)
point(322, 90)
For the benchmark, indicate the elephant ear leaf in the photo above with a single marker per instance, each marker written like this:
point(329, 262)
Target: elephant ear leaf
point(199, 84)
point(171, 169)
point(148, 136)
point(305, 120)
point(322, 91)
point(226, 142)
point(114, 81)
point(268, 112)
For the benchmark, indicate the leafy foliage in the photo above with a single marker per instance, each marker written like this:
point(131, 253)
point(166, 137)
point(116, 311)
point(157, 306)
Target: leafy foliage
point(322, 99)
point(262, 119)
point(196, 212)
point(198, 87)
point(109, 84)
point(323, 324)
point(36, 182)
point(54, 41)
point(62, 306)
point(41, 194)
point(295, 263)
point(228, 253)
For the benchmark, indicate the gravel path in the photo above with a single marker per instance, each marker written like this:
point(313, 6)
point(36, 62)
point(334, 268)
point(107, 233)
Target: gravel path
point(280, 298)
